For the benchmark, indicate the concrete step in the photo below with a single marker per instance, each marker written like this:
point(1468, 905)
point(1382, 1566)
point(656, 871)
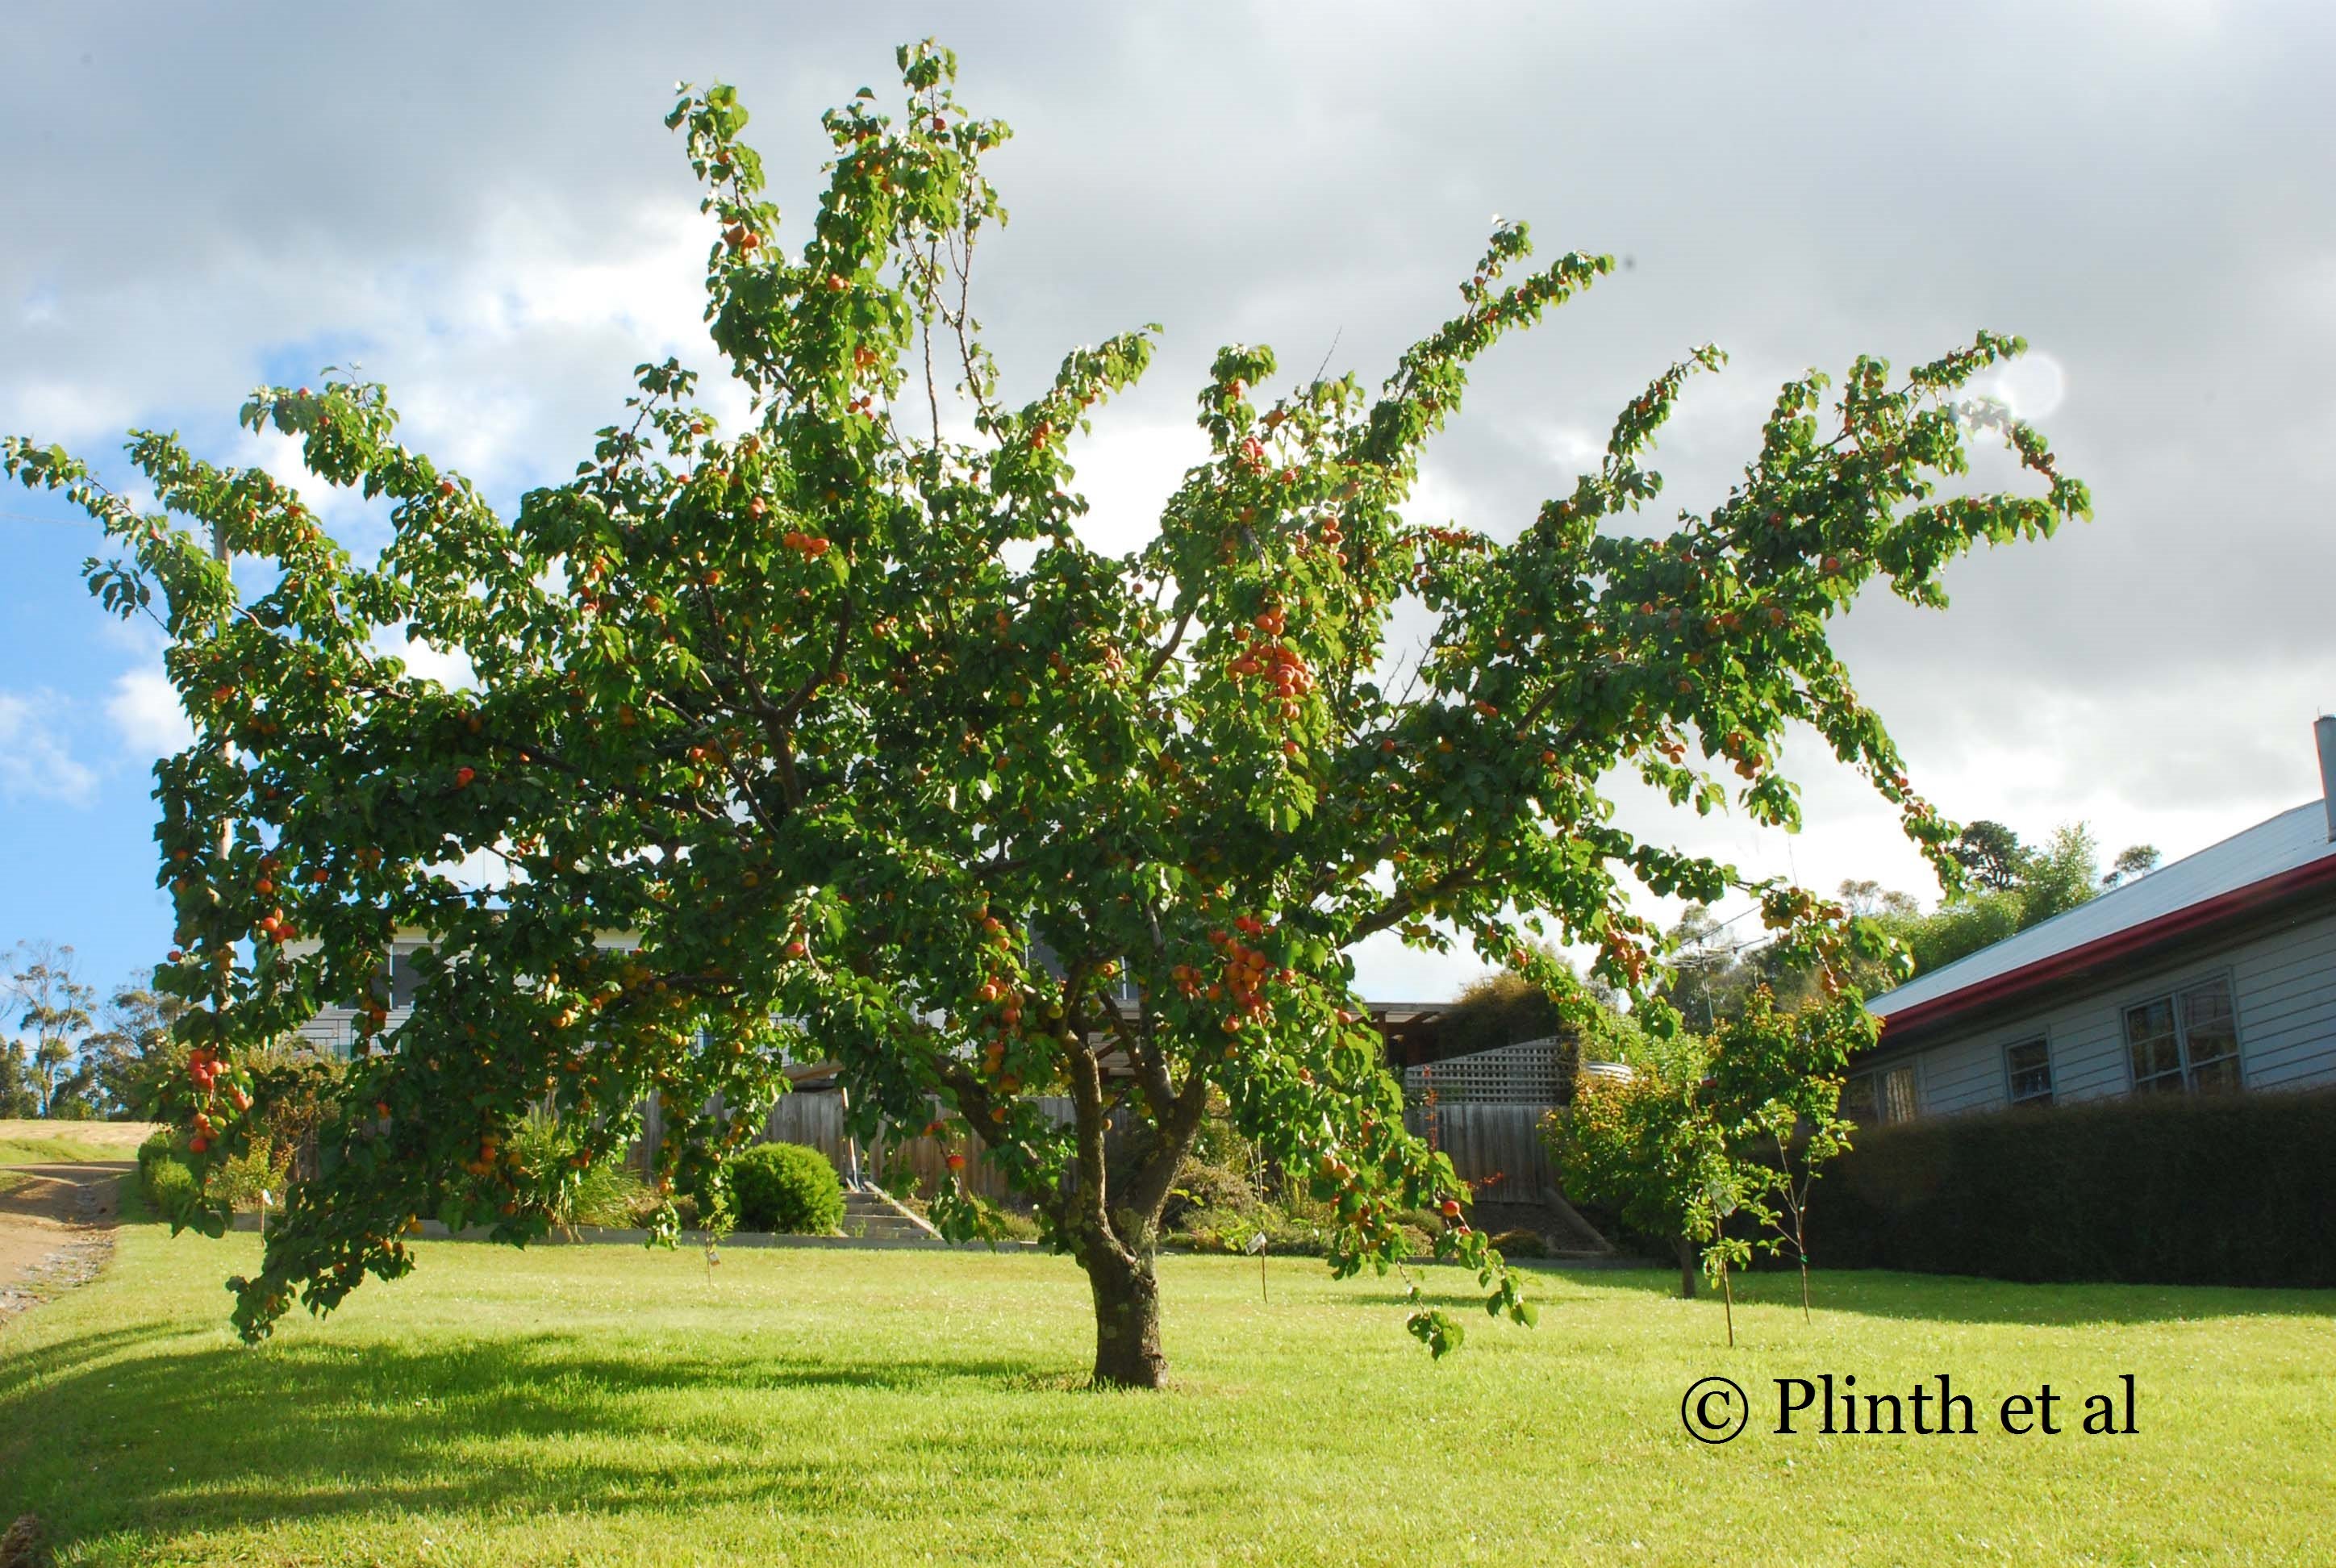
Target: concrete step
point(872, 1216)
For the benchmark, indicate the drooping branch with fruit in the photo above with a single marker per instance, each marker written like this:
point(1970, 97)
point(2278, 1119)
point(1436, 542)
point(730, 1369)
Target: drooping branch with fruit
point(835, 717)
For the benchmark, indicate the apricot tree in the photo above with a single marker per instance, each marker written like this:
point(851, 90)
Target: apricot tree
point(833, 715)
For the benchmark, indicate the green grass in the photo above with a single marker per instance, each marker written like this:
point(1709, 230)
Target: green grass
point(45, 1143)
point(605, 1405)
point(53, 1152)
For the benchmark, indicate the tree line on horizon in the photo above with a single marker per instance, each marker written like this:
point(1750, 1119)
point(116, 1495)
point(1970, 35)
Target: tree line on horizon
point(78, 1058)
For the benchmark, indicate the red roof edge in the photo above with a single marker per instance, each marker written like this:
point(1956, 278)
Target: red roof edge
point(2131, 942)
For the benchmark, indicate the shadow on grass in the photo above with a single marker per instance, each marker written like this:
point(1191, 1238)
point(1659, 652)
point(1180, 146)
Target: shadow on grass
point(48, 1190)
point(24, 1369)
point(1936, 1298)
point(172, 1439)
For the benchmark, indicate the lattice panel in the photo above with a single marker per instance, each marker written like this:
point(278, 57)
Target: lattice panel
point(1524, 1074)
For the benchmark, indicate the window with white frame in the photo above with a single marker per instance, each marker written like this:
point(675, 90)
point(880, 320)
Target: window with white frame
point(2184, 1040)
point(2027, 1070)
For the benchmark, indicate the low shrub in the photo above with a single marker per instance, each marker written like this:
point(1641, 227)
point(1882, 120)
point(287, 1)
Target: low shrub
point(640, 1211)
point(1520, 1244)
point(162, 1144)
point(1216, 1230)
point(1013, 1225)
point(787, 1188)
point(1285, 1234)
point(2159, 1189)
point(603, 1194)
point(1426, 1221)
point(167, 1185)
point(238, 1182)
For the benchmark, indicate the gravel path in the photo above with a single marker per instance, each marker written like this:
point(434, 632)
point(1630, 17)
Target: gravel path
point(56, 1228)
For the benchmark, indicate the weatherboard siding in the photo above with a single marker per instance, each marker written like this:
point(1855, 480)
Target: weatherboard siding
point(2287, 1008)
point(2282, 984)
point(1963, 1076)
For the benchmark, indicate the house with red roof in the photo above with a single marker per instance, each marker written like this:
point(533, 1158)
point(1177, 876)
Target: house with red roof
point(2216, 973)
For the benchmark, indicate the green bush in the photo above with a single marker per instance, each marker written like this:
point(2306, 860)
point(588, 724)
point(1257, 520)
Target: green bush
point(1520, 1244)
point(163, 1144)
point(1427, 1221)
point(2160, 1189)
point(786, 1188)
point(1013, 1225)
point(167, 1185)
point(239, 1181)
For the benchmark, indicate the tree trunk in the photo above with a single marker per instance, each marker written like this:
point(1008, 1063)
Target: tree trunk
point(1127, 1320)
point(1115, 1234)
point(1686, 1269)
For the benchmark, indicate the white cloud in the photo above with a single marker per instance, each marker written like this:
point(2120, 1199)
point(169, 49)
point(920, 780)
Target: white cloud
point(144, 707)
point(34, 764)
point(1127, 470)
point(449, 668)
point(501, 250)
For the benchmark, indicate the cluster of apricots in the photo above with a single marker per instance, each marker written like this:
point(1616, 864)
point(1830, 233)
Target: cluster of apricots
point(1268, 654)
point(1456, 537)
point(272, 925)
point(1244, 979)
point(203, 1072)
point(488, 1156)
point(1737, 748)
point(1006, 995)
point(1626, 957)
point(588, 594)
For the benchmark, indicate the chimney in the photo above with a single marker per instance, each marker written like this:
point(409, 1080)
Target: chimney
point(2324, 731)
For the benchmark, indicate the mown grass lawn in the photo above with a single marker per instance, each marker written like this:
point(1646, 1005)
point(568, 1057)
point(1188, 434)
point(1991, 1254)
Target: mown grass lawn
point(604, 1404)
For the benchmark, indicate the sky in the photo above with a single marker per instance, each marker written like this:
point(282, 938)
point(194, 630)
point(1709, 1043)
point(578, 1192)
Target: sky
point(481, 207)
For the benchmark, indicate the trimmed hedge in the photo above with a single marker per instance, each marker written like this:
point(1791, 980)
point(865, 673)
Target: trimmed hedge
point(2158, 1189)
point(788, 1189)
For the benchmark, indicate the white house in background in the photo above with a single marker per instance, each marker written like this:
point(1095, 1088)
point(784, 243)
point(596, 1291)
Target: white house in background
point(334, 1028)
point(2217, 972)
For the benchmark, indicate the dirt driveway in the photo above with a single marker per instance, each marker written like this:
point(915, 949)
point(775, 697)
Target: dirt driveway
point(56, 1227)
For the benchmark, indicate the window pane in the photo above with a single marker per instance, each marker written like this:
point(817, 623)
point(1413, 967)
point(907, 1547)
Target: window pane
point(2217, 1076)
point(405, 980)
point(2208, 1026)
point(1857, 1101)
point(2149, 1036)
point(1895, 1090)
point(2028, 1065)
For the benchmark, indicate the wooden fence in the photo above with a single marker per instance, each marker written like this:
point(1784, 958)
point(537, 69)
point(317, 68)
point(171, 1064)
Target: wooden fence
point(814, 1117)
point(1494, 1148)
point(817, 1119)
